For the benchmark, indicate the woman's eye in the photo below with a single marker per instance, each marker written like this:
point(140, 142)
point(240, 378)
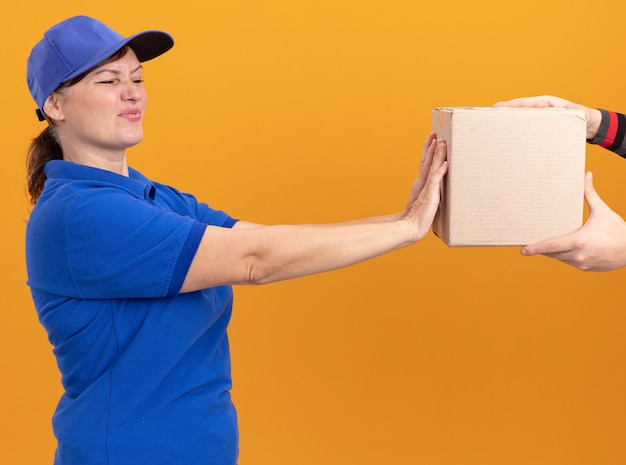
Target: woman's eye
point(115, 81)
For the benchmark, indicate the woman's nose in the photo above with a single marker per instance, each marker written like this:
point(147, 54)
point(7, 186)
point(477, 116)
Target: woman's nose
point(131, 91)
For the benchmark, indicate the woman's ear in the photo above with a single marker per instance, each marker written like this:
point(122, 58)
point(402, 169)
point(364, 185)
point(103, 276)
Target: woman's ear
point(52, 107)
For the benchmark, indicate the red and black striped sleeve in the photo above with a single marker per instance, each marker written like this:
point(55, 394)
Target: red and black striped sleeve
point(612, 132)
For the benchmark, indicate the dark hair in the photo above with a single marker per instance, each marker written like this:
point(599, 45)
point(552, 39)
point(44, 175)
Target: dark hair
point(46, 146)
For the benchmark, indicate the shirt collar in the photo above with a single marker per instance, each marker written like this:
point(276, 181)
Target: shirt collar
point(135, 182)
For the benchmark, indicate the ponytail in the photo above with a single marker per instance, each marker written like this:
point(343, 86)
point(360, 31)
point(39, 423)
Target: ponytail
point(42, 149)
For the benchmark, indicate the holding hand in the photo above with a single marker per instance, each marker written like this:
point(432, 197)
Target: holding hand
point(594, 117)
point(599, 245)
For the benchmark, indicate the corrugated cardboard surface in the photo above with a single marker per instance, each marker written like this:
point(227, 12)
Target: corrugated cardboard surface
point(515, 174)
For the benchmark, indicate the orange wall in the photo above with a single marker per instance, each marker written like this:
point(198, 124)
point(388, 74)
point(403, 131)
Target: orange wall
point(315, 111)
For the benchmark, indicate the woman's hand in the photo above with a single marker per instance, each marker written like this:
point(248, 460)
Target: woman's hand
point(599, 245)
point(594, 117)
point(426, 192)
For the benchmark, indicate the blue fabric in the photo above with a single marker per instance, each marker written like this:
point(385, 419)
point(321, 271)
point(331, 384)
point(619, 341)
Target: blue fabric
point(146, 370)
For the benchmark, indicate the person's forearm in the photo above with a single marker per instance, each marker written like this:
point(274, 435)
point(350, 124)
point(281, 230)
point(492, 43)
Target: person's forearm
point(373, 219)
point(257, 254)
point(611, 132)
point(285, 252)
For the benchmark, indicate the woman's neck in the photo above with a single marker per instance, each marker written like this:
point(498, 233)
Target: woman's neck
point(110, 161)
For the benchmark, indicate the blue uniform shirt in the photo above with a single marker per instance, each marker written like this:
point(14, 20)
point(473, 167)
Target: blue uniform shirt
point(146, 370)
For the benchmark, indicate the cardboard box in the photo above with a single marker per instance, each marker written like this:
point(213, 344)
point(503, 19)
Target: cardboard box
point(515, 175)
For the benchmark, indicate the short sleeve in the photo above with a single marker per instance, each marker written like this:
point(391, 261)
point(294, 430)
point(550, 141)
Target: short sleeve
point(107, 244)
point(185, 203)
point(124, 247)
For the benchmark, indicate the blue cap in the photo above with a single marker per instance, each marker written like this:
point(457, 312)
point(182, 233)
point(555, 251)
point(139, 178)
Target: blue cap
point(78, 44)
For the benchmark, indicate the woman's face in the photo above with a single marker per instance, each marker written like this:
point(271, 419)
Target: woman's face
point(104, 110)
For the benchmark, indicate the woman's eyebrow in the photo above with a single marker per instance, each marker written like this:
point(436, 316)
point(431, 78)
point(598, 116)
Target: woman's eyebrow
point(116, 71)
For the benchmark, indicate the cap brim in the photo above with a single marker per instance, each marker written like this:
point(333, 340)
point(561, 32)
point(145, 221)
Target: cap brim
point(146, 45)
point(150, 44)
